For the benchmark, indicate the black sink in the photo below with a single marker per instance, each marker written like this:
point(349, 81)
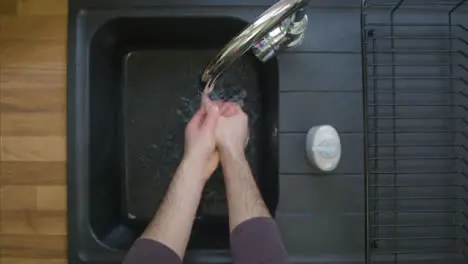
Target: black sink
point(134, 92)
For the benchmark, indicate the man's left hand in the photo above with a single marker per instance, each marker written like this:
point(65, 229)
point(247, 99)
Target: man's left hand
point(200, 141)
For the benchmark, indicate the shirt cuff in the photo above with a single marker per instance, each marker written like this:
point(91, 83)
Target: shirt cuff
point(147, 251)
point(258, 240)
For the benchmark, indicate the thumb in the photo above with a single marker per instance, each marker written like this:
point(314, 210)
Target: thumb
point(212, 117)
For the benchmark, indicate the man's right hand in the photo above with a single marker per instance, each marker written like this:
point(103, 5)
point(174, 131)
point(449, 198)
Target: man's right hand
point(244, 199)
point(232, 129)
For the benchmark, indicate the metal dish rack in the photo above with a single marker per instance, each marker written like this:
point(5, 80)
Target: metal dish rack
point(415, 95)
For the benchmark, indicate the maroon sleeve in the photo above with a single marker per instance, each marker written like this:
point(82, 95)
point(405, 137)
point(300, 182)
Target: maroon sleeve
point(258, 240)
point(146, 251)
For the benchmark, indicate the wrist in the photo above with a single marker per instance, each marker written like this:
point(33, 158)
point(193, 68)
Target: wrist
point(192, 169)
point(232, 154)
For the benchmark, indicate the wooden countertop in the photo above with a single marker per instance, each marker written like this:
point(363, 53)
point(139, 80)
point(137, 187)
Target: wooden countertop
point(32, 131)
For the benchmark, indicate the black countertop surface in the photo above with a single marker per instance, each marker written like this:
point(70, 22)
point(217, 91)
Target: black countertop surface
point(321, 216)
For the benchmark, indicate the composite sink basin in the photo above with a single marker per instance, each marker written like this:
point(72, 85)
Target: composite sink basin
point(136, 87)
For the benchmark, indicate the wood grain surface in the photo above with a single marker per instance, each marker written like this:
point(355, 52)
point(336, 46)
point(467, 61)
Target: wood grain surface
point(32, 131)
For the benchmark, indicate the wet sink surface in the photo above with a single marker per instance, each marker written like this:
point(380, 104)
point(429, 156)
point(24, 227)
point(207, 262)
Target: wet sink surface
point(160, 96)
point(143, 90)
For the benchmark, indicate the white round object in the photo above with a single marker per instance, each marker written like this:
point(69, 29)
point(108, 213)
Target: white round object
point(323, 147)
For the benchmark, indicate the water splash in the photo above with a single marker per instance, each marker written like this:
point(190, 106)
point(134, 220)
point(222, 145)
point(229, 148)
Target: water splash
point(155, 149)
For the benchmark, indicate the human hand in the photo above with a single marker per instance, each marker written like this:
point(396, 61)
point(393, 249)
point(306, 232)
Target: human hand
point(200, 140)
point(232, 129)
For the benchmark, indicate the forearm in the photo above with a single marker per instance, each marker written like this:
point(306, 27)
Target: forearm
point(173, 222)
point(255, 237)
point(244, 199)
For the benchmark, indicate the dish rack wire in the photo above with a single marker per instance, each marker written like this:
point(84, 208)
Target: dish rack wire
point(415, 96)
